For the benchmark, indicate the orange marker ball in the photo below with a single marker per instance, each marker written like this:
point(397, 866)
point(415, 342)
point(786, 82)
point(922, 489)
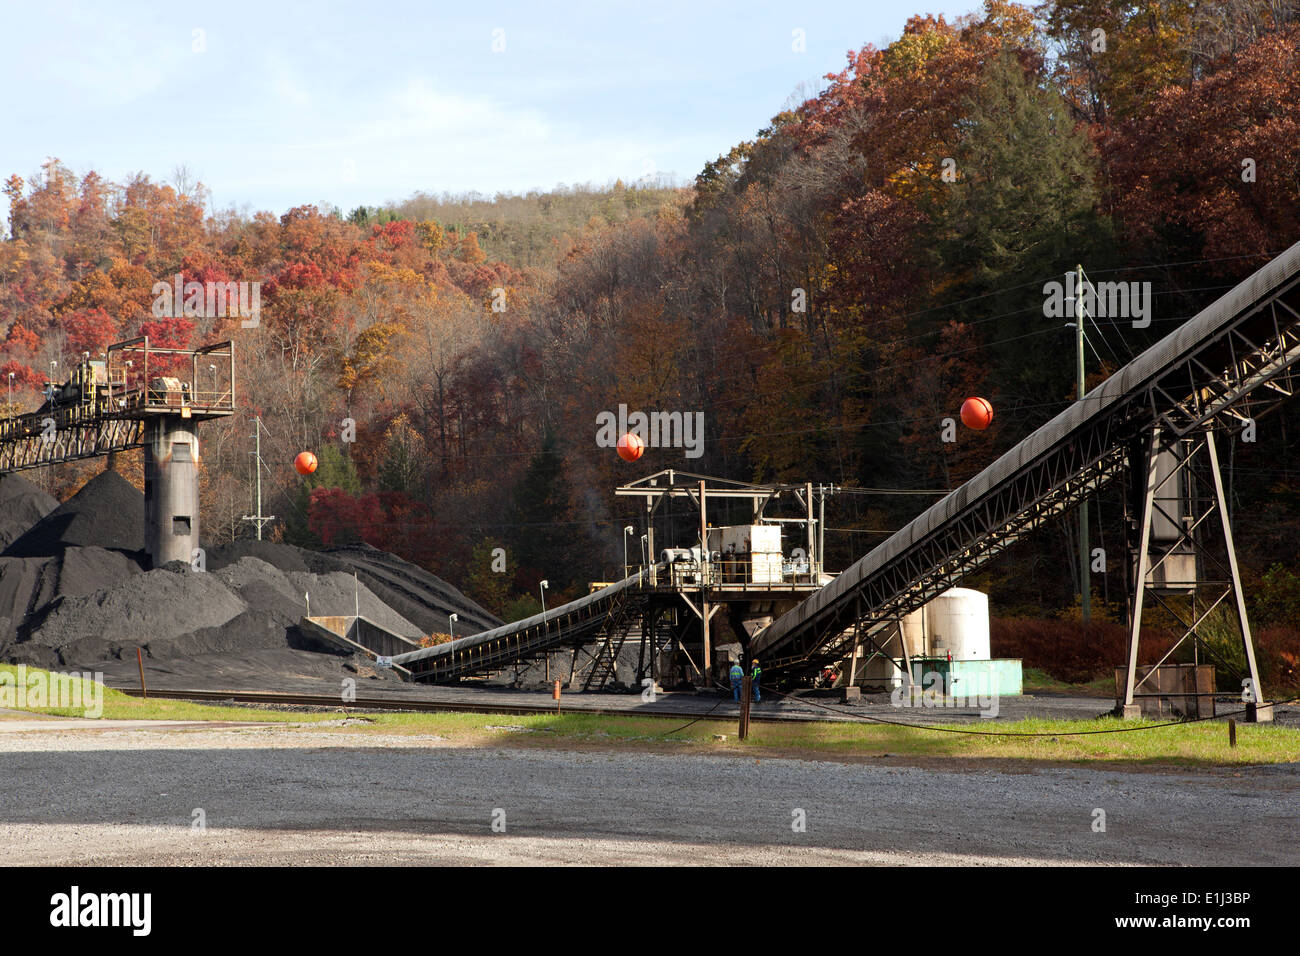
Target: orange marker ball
point(631, 447)
point(976, 413)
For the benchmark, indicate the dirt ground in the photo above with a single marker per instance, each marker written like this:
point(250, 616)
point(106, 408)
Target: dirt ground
point(276, 795)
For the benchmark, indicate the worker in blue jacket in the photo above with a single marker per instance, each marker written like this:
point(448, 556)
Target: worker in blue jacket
point(737, 675)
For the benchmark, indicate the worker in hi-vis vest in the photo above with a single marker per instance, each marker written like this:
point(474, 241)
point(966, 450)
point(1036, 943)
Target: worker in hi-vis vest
point(737, 675)
point(758, 672)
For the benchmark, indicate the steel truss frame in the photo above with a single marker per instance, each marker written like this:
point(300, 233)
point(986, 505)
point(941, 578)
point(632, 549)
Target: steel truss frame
point(81, 431)
point(588, 623)
point(879, 641)
point(963, 545)
point(1205, 507)
point(1239, 373)
point(70, 441)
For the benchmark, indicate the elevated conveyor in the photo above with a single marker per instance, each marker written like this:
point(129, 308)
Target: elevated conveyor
point(138, 395)
point(579, 622)
point(1231, 363)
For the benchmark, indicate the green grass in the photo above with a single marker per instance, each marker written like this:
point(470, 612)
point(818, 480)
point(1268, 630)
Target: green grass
point(1202, 744)
point(1181, 745)
point(1038, 682)
point(120, 706)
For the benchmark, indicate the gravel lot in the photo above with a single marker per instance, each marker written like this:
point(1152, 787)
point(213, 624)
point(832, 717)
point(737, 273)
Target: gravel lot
point(278, 795)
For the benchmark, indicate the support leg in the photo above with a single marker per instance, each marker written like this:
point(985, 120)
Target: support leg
point(1257, 711)
point(1130, 709)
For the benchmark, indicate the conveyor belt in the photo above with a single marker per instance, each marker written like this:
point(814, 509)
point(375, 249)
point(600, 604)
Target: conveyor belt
point(577, 622)
point(1231, 362)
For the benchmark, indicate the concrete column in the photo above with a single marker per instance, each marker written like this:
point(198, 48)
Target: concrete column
point(171, 489)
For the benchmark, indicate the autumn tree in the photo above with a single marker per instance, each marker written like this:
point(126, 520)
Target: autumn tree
point(1210, 171)
point(486, 584)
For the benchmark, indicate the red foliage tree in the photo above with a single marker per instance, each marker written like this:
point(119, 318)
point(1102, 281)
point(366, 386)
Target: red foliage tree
point(21, 342)
point(337, 517)
point(169, 333)
point(25, 378)
point(89, 330)
point(1216, 161)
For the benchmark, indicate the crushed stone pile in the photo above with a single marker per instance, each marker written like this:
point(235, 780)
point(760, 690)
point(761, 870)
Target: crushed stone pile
point(75, 589)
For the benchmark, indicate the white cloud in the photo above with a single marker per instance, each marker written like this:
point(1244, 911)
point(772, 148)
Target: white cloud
point(416, 135)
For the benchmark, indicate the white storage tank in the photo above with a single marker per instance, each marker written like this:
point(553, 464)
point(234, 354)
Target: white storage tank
point(915, 637)
point(957, 622)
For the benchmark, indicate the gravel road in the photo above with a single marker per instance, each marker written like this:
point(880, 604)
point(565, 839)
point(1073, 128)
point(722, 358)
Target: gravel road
point(273, 795)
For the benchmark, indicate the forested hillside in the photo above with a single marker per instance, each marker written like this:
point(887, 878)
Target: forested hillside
point(825, 293)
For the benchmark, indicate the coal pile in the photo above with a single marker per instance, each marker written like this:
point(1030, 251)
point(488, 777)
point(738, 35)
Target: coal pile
point(22, 504)
point(75, 590)
point(133, 612)
point(30, 587)
point(93, 541)
point(422, 597)
point(283, 556)
point(108, 512)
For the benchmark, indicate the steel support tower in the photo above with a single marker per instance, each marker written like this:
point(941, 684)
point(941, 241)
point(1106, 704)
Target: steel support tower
point(138, 395)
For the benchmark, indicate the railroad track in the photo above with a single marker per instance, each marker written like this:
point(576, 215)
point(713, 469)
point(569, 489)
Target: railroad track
point(473, 707)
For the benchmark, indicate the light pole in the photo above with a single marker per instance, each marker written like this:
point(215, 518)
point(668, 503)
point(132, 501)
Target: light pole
point(546, 630)
point(451, 624)
point(9, 407)
point(644, 560)
point(626, 531)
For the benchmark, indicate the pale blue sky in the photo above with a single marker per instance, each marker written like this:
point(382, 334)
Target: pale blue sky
point(351, 103)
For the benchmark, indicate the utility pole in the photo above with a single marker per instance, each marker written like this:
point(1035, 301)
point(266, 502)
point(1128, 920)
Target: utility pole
point(704, 597)
point(1085, 572)
point(815, 573)
point(259, 519)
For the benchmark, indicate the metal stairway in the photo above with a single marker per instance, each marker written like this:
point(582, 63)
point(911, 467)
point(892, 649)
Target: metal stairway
point(603, 664)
